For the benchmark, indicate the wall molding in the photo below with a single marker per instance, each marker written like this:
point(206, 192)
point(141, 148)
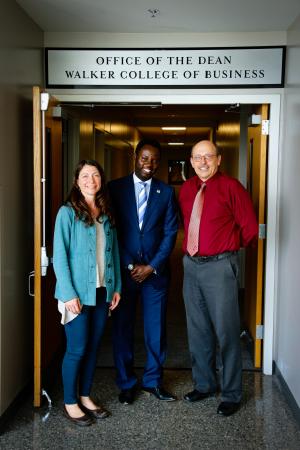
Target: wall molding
point(287, 393)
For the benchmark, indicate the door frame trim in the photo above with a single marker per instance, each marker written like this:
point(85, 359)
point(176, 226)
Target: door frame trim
point(37, 149)
point(217, 97)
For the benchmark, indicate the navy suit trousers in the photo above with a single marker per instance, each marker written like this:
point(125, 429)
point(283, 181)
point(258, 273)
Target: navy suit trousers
point(153, 296)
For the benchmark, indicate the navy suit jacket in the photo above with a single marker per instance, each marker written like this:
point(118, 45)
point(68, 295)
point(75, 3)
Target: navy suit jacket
point(155, 241)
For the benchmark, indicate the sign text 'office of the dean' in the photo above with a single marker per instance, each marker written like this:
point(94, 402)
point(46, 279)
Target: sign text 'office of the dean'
point(222, 67)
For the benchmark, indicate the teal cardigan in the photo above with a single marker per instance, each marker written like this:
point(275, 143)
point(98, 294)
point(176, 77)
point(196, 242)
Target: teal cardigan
point(74, 258)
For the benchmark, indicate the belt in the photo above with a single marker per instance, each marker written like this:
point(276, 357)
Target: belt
point(202, 259)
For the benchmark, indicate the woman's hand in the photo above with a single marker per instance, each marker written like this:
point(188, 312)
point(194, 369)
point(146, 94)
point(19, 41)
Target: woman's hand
point(115, 301)
point(74, 306)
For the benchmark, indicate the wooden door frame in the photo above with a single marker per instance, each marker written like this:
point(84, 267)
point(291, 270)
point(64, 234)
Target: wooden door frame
point(220, 96)
point(43, 361)
point(37, 175)
point(253, 302)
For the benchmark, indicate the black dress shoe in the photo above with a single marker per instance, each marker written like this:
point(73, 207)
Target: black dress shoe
point(160, 393)
point(126, 396)
point(83, 421)
point(98, 413)
point(196, 395)
point(227, 408)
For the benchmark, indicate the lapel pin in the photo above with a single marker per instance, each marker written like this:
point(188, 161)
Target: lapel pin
point(158, 191)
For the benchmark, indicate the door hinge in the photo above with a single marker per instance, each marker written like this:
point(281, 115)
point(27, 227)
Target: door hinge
point(259, 331)
point(262, 231)
point(265, 127)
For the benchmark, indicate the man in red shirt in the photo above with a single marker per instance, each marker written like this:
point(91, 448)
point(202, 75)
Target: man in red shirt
point(210, 287)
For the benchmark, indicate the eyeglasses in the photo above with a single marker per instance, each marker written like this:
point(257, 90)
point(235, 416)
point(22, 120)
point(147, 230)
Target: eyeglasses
point(206, 157)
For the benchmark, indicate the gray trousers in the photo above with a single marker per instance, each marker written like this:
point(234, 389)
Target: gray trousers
point(210, 291)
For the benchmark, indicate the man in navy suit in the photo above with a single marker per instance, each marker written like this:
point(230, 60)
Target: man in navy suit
point(147, 223)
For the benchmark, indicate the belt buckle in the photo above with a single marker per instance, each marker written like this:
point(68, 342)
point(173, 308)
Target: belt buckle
point(204, 258)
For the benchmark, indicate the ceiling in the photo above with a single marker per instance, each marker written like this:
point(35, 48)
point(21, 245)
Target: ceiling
point(175, 16)
point(199, 120)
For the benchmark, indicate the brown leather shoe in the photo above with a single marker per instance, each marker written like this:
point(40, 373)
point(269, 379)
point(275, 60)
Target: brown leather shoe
point(83, 421)
point(98, 413)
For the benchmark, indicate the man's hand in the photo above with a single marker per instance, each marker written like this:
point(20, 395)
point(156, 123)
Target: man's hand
point(141, 272)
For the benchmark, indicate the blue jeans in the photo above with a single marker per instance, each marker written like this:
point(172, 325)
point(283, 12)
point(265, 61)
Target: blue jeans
point(83, 336)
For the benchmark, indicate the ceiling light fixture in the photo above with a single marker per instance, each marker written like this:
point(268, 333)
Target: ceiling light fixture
point(154, 12)
point(175, 143)
point(173, 128)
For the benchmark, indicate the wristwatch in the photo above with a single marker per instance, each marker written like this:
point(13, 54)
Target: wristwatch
point(130, 267)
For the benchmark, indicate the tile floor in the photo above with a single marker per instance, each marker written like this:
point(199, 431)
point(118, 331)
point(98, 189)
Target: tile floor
point(264, 421)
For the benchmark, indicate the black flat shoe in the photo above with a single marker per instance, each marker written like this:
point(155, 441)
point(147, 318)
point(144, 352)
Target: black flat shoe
point(227, 408)
point(83, 421)
point(98, 413)
point(126, 396)
point(195, 396)
point(160, 393)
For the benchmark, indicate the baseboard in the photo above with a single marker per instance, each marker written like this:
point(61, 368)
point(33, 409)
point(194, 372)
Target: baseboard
point(287, 393)
point(9, 413)
point(50, 375)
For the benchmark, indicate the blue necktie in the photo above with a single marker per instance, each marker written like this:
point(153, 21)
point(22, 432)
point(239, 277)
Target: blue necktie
point(142, 203)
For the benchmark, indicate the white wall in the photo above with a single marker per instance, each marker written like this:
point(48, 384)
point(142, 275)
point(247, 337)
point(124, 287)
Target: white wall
point(287, 336)
point(167, 40)
point(21, 67)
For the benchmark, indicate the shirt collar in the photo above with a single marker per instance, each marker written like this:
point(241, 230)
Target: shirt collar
point(200, 182)
point(137, 180)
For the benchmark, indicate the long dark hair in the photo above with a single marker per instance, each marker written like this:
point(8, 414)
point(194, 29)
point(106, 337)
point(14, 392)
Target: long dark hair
point(77, 200)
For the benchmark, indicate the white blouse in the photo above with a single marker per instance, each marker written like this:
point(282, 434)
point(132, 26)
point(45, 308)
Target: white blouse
point(100, 252)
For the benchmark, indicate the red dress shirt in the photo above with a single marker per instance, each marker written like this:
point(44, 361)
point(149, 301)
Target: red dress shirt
point(228, 220)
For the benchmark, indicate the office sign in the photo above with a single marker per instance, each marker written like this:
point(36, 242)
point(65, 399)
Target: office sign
point(165, 68)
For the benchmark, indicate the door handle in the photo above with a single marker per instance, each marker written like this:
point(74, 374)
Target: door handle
point(30, 276)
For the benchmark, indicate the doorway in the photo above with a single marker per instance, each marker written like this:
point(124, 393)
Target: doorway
point(108, 134)
point(119, 135)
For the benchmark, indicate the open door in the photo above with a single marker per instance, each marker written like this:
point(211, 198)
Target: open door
point(48, 192)
point(255, 258)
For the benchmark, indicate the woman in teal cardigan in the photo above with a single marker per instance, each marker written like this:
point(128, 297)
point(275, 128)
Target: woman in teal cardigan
point(88, 284)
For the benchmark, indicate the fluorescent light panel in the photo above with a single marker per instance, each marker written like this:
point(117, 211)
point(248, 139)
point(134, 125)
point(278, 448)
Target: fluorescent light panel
point(175, 143)
point(173, 128)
